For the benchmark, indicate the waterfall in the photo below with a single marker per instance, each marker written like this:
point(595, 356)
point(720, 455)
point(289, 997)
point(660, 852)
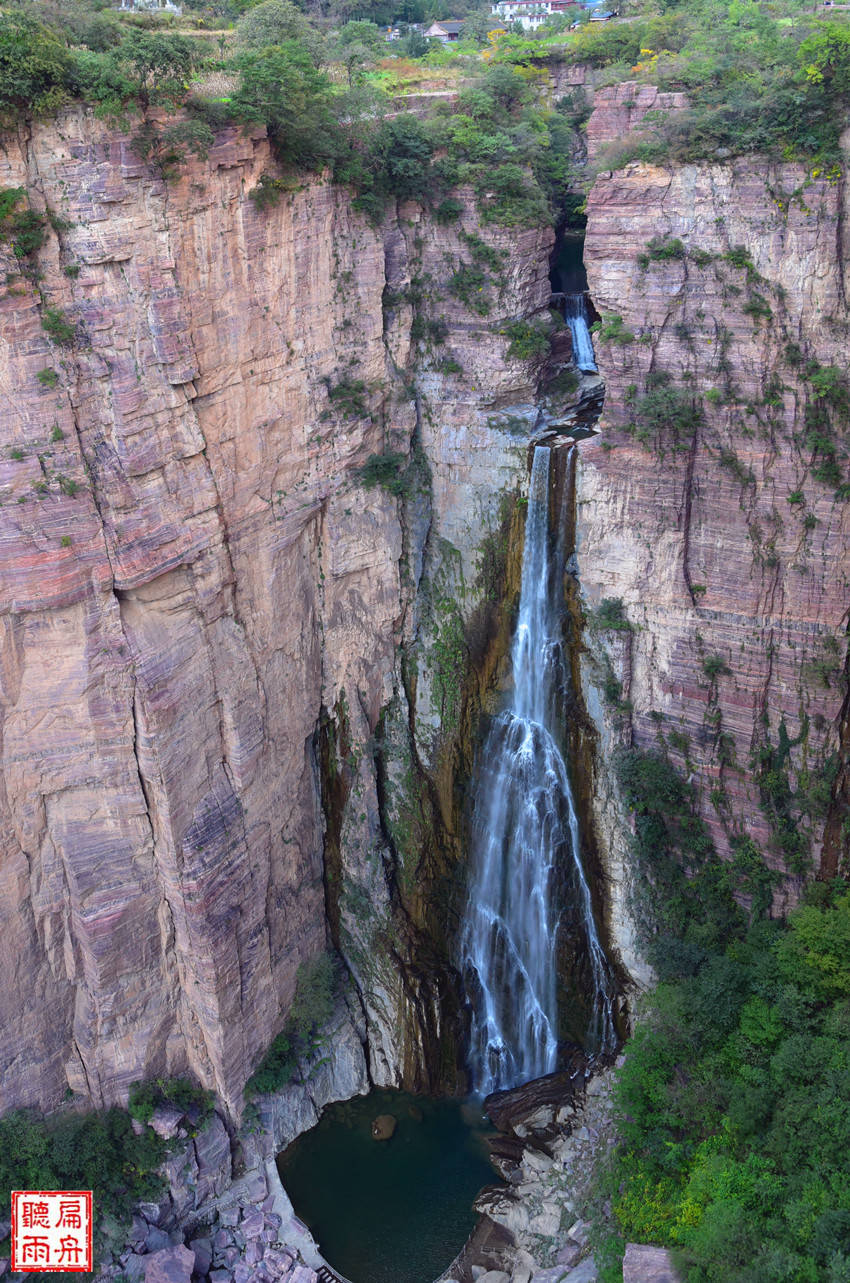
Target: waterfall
point(525, 829)
point(575, 314)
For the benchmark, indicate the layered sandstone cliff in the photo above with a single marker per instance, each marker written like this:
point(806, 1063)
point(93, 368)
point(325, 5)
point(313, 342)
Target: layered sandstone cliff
point(236, 694)
point(728, 542)
point(192, 573)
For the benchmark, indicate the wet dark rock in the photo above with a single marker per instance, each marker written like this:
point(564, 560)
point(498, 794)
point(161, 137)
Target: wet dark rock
point(212, 1152)
point(569, 1254)
point(166, 1120)
point(489, 1247)
point(506, 1153)
point(134, 1269)
point(643, 1264)
point(138, 1232)
point(532, 1106)
point(383, 1127)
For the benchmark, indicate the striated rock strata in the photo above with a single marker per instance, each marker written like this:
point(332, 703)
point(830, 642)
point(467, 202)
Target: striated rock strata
point(727, 542)
point(192, 573)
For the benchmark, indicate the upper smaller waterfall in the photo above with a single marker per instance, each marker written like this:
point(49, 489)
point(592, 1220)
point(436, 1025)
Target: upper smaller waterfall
point(575, 314)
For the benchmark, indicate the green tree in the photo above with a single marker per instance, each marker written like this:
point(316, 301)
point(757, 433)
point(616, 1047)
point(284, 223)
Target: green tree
point(158, 64)
point(415, 45)
point(282, 88)
point(362, 33)
point(825, 57)
point(356, 58)
point(403, 150)
point(276, 22)
point(34, 67)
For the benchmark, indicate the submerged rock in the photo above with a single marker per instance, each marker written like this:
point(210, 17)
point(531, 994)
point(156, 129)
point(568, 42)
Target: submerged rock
point(383, 1127)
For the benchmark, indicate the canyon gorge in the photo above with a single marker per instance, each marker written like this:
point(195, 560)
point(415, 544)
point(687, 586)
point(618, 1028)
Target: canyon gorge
point(263, 538)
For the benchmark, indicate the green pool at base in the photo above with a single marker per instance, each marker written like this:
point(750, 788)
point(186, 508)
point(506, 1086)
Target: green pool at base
point(395, 1211)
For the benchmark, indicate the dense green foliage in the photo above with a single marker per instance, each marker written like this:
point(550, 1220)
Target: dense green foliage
point(735, 1108)
point(734, 1100)
point(529, 340)
point(97, 1151)
point(667, 415)
point(34, 66)
point(312, 1007)
point(386, 470)
point(282, 88)
point(763, 79)
point(610, 614)
point(22, 227)
point(760, 80)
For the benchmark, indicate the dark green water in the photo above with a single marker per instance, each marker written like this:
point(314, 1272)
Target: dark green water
point(569, 273)
point(395, 1211)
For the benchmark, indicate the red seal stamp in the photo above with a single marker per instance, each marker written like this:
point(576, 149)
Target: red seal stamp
point(52, 1230)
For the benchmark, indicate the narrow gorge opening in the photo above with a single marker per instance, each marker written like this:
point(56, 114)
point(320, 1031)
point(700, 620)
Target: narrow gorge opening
point(529, 989)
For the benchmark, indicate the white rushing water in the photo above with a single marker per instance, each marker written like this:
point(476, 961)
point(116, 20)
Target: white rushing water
point(575, 314)
point(525, 829)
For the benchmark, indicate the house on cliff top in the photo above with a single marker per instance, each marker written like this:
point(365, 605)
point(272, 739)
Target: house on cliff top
point(447, 30)
point(531, 13)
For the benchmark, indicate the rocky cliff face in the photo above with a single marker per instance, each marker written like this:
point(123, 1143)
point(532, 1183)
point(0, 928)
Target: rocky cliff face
point(239, 686)
point(712, 501)
point(193, 573)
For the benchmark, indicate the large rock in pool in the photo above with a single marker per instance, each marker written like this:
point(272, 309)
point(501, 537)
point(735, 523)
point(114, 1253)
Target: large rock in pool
point(383, 1127)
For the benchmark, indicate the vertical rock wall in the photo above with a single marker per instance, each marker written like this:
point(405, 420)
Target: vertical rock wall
point(191, 573)
point(728, 544)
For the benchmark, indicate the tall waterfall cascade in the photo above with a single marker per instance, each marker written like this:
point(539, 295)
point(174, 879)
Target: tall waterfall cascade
point(575, 314)
point(524, 831)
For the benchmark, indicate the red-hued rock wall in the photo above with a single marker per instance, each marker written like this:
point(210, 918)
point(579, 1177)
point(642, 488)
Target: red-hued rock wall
point(189, 573)
point(700, 542)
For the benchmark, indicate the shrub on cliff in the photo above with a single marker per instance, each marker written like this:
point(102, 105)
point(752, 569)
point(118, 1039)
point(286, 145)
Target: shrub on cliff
point(158, 64)
point(733, 1127)
point(732, 1103)
point(530, 340)
point(22, 226)
point(34, 67)
point(312, 1007)
point(145, 1097)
